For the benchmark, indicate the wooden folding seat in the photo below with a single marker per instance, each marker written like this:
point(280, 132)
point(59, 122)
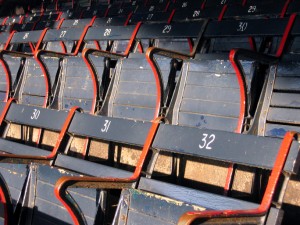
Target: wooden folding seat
point(196, 10)
point(60, 40)
point(99, 12)
point(123, 10)
point(7, 89)
point(50, 16)
point(279, 110)
point(160, 17)
point(153, 6)
point(213, 71)
point(13, 19)
point(218, 90)
point(132, 79)
point(47, 24)
point(30, 72)
point(84, 79)
point(23, 27)
point(44, 207)
point(257, 9)
point(115, 126)
point(17, 155)
point(33, 18)
point(76, 23)
point(155, 201)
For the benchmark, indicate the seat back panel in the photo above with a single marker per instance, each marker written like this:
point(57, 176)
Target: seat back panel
point(77, 85)
point(111, 129)
point(208, 94)
point(133, 96)
point(282, 99)
point(36, 117)
point(261, 152)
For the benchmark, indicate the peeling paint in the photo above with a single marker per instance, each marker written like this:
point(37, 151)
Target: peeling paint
point(168, 200)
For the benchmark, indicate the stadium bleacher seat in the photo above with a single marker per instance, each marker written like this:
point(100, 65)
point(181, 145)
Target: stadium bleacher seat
point(121, 111)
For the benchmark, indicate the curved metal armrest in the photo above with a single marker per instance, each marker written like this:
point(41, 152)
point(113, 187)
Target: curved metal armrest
point(233, 215)
point(96, 52)
point(165, 52)
point(40, 53)
point(45, 159)
point(235, 54)
point(64, 183)
point(70, 204)
point(15, 54)
point(216, 217)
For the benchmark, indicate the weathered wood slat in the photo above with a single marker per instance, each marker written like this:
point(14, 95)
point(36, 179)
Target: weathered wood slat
point(285, 100)
point(284, 115)
point(195, 197)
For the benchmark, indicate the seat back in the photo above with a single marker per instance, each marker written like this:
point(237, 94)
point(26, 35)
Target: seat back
point(51, 24)
point(133, 91)
point(88, 91)
point(42, 203)
point(175, 199)
point(256, 9)
point(80, 87)
point(181, 36)
point(279, 112)
point(111, 38)
point(63, 40)
point(252, 34)
point(35, 85)
point(280, 105)
point(13, 65)
point(208, 94)
point(35, 117)
point(151, 17)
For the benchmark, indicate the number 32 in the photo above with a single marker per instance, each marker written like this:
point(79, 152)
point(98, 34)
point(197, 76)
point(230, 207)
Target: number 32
point(207, 141)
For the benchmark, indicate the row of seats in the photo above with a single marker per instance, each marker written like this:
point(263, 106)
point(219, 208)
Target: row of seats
point(48, 40)
point(166, 11)
point(129, 79)
point(34, 188)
